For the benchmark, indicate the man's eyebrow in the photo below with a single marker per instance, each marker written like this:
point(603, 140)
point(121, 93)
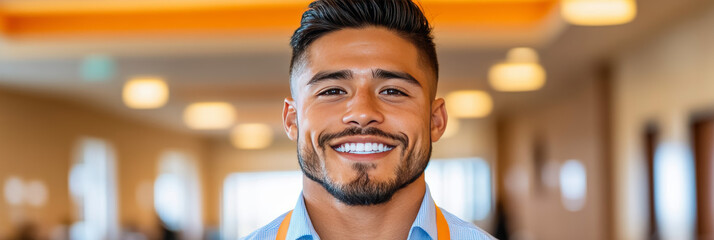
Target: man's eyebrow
point(325, 75)
point(386, 74)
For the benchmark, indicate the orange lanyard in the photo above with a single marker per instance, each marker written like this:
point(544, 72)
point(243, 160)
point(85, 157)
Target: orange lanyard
point(442, 227)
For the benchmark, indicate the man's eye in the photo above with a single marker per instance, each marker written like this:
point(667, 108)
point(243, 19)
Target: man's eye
point(332, 91)
point(392, 91)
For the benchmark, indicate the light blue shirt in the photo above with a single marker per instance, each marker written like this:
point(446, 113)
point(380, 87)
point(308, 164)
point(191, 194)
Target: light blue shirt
point(423, 228)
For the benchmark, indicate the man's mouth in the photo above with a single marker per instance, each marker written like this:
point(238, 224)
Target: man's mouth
point(362, 148)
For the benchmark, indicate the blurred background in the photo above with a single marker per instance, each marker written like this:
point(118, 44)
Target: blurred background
point(160, 119)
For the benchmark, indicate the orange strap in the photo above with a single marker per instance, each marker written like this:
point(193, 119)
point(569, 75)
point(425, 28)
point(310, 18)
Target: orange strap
point(442, 227)
point(283, 230)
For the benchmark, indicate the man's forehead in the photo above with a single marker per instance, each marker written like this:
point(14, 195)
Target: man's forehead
point(361, 51)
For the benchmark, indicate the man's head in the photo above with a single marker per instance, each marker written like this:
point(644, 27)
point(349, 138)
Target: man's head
point(401, 17)
point(363, 80)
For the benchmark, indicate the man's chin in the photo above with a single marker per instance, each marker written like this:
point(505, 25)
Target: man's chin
point(359, 195)
point(364, 190)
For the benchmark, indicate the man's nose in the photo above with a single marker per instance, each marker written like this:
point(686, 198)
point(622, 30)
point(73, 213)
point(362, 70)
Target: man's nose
point(363, 110)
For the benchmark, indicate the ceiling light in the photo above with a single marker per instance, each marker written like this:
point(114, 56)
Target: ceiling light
point(517, 77)
point(521, 72)
point(145, 93)
point(598, 12)
point(469, 104)
point(252, 136)
point(209, 115)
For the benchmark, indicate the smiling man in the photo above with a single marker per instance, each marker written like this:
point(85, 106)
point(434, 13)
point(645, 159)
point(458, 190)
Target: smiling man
point(364, 114)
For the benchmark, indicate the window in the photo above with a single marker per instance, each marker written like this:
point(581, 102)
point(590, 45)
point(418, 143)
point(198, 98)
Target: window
point(461, 186)
point(674, 190)
point(92, 182)
point(251, 200)
point(177, 195)
point(573, 185)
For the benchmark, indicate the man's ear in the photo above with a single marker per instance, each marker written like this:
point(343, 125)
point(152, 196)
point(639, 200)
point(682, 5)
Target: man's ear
point(290, 119)
point(438, 119)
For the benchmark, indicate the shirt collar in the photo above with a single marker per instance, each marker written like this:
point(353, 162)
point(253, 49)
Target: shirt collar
point(426, 217)
point(301, 226)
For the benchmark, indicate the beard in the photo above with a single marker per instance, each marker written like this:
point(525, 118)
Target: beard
point(363, 190)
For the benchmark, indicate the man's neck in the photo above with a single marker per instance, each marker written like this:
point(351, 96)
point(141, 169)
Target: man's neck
point(333, 219)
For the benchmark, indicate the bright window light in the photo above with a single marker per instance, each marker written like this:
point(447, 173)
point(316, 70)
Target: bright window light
point(170, 200)
point(92, 183)
point(177, 195)
point(251, 200)
point(461, 186)
point(573, 185)
point(674, 190)
point(77, 179)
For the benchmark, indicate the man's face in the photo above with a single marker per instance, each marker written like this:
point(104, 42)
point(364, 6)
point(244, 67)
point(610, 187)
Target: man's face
point(363, 115)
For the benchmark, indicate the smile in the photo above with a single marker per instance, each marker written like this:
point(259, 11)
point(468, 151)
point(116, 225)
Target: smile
point(363, 148)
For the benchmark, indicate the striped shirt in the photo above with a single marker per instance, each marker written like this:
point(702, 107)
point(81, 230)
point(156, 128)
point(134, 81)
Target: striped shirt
point(423, 228)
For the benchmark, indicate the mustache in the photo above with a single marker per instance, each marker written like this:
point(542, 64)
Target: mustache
point(324, 138)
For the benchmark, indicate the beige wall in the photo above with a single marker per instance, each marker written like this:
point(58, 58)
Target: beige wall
point(663, 79)
point(570, 127)
point(37, 140)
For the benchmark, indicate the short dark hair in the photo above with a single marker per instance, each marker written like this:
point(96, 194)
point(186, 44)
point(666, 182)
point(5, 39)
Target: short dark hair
point(401, 16)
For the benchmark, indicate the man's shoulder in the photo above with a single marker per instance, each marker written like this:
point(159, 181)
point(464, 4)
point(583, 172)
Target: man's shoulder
point(268, 231)
point(460, 229)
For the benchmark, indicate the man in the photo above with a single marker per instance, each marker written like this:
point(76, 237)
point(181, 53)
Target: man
point(363, 80)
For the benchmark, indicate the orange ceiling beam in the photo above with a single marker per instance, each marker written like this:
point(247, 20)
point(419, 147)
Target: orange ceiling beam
point(488, 13)
point(254, 18)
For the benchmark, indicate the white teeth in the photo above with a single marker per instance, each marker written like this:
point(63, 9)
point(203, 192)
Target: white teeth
point(363, 148)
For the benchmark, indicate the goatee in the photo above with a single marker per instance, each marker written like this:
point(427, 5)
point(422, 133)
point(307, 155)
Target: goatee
point(364, 190)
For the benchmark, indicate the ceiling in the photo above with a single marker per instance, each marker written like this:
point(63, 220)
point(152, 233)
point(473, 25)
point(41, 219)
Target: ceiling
point(237, 51)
